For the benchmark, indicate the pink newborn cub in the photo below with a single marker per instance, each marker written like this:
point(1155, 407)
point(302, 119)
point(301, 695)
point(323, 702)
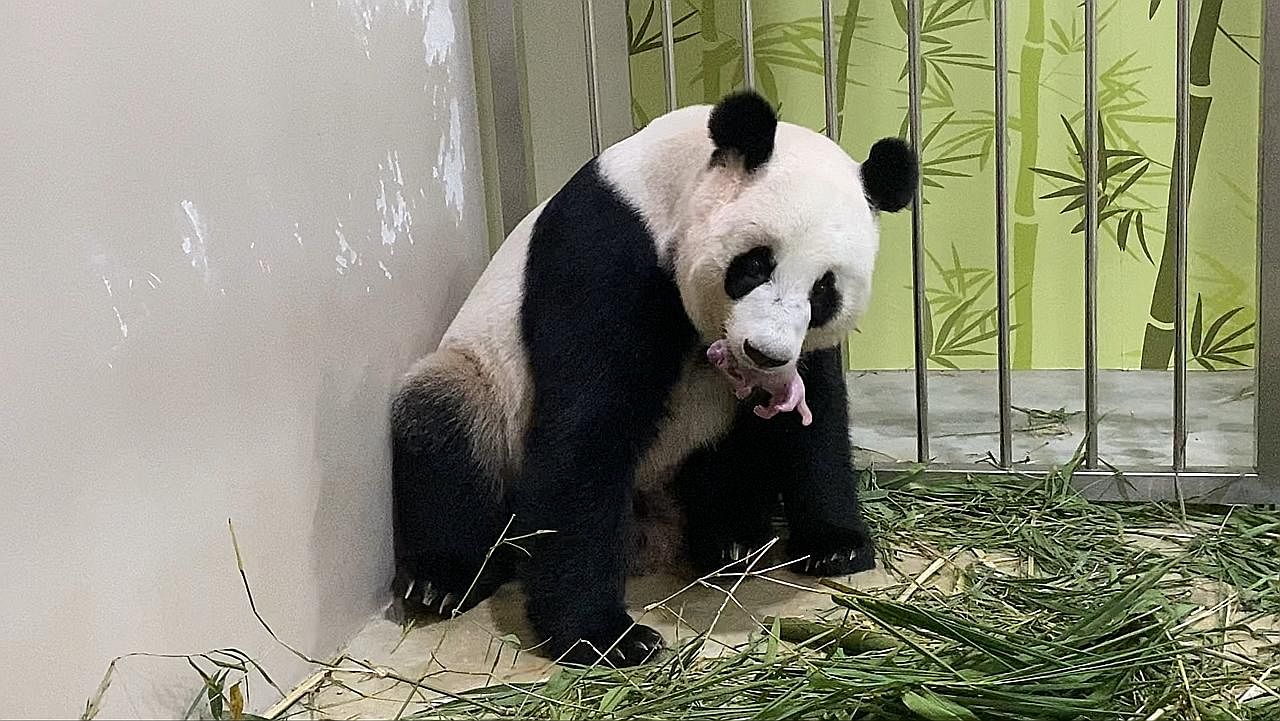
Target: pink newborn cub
point(785, 387)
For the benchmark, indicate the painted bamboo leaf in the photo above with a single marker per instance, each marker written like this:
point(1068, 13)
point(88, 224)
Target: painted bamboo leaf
point(1207, 349)
point(1118, 172)
point(964, 306)
point(640, 41)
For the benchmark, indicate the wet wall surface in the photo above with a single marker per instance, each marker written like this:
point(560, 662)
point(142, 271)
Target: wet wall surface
point(225, 229)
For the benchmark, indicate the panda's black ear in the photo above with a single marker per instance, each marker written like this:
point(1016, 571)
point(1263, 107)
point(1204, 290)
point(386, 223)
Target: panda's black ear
point(743, 125)
point(890, 175)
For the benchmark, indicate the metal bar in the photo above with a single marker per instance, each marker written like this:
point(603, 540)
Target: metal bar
point(509, 129)
point(1182, 178)
point(917, 234)
point(1091, 162)
point(1267, 350)
point(748, 47)
point(829, 70)
point(669, 54)
point(829, 99)
point(593, 77)
point(1002, 233)
point(1226, 486)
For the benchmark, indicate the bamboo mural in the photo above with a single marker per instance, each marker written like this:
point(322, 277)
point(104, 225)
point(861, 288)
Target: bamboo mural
point(1045, 164)
point(1026, 228)
point(844, 46)
point(1157, 346)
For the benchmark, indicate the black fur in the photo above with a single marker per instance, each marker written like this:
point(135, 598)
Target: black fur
point(730, 491)
point(890, 175)
point(748, 271)
point(743, 125)
point(606, 334)
point(447, 510)
point(727, 502)
point(824, 300)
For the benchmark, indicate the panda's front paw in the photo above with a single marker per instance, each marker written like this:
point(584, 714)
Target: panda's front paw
point(834, 553)
point(638, 644)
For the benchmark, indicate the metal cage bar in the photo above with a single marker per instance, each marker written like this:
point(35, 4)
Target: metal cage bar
point(1196, 485)
point(748, 47)
point(832, 129)
point(506, 81)
point(669, 54)
point(1182, 179)
point(829, 72)
point(1091, 161)
point(1267, 353)
point(1003, 365)
point(917, 234)
point(593, 75)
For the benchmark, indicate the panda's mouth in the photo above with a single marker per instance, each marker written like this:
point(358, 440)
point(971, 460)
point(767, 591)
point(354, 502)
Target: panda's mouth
point(784, 387)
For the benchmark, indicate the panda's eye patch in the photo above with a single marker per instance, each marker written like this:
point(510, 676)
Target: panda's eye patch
point(824, 300)
point(748, 271)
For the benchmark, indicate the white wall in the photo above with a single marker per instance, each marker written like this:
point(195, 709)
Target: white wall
point(225, 229)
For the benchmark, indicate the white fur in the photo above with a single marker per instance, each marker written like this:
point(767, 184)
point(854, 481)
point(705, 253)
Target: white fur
point(487, 331)
point(806, 202)
point(699, 412)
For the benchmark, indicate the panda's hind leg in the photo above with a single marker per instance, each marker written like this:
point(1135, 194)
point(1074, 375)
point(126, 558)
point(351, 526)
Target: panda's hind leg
point(447, 492)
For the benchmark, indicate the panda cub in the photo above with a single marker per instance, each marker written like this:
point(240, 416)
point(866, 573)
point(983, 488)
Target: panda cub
point(648, 364)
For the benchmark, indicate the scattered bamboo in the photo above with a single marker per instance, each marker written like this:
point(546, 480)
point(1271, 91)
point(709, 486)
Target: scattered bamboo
point(1072, 610)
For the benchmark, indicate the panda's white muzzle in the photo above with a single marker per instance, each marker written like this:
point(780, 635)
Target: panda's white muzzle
point(766, 329)
point(763, 338)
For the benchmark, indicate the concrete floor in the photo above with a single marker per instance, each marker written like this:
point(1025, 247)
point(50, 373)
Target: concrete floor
point(1135, 407)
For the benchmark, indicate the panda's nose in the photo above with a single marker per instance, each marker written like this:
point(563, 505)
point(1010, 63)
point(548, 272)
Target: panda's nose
point(760, 358)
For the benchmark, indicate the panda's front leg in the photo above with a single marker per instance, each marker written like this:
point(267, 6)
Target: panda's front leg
point(728, 503)
point(819, 486)
point(575, 498)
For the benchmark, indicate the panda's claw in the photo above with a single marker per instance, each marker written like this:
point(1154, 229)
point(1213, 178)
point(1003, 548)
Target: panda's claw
point(733, 552)
point(429, 594)
point(637, 645)
point(448, 604)
point(853, 558)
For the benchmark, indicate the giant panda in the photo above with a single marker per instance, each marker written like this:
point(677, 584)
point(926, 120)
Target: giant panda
point(646, 366)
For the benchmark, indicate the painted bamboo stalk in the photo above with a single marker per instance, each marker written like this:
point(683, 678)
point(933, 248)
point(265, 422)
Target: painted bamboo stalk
point(710, 65)
point(1157, 344)
point(1026, 229)
point(845, 46)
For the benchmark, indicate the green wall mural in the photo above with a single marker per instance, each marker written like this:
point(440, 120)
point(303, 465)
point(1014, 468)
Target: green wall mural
point(1046, 49)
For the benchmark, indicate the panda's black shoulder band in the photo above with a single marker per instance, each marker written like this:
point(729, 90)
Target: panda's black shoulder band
point(743, 124)
point(890, 175)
